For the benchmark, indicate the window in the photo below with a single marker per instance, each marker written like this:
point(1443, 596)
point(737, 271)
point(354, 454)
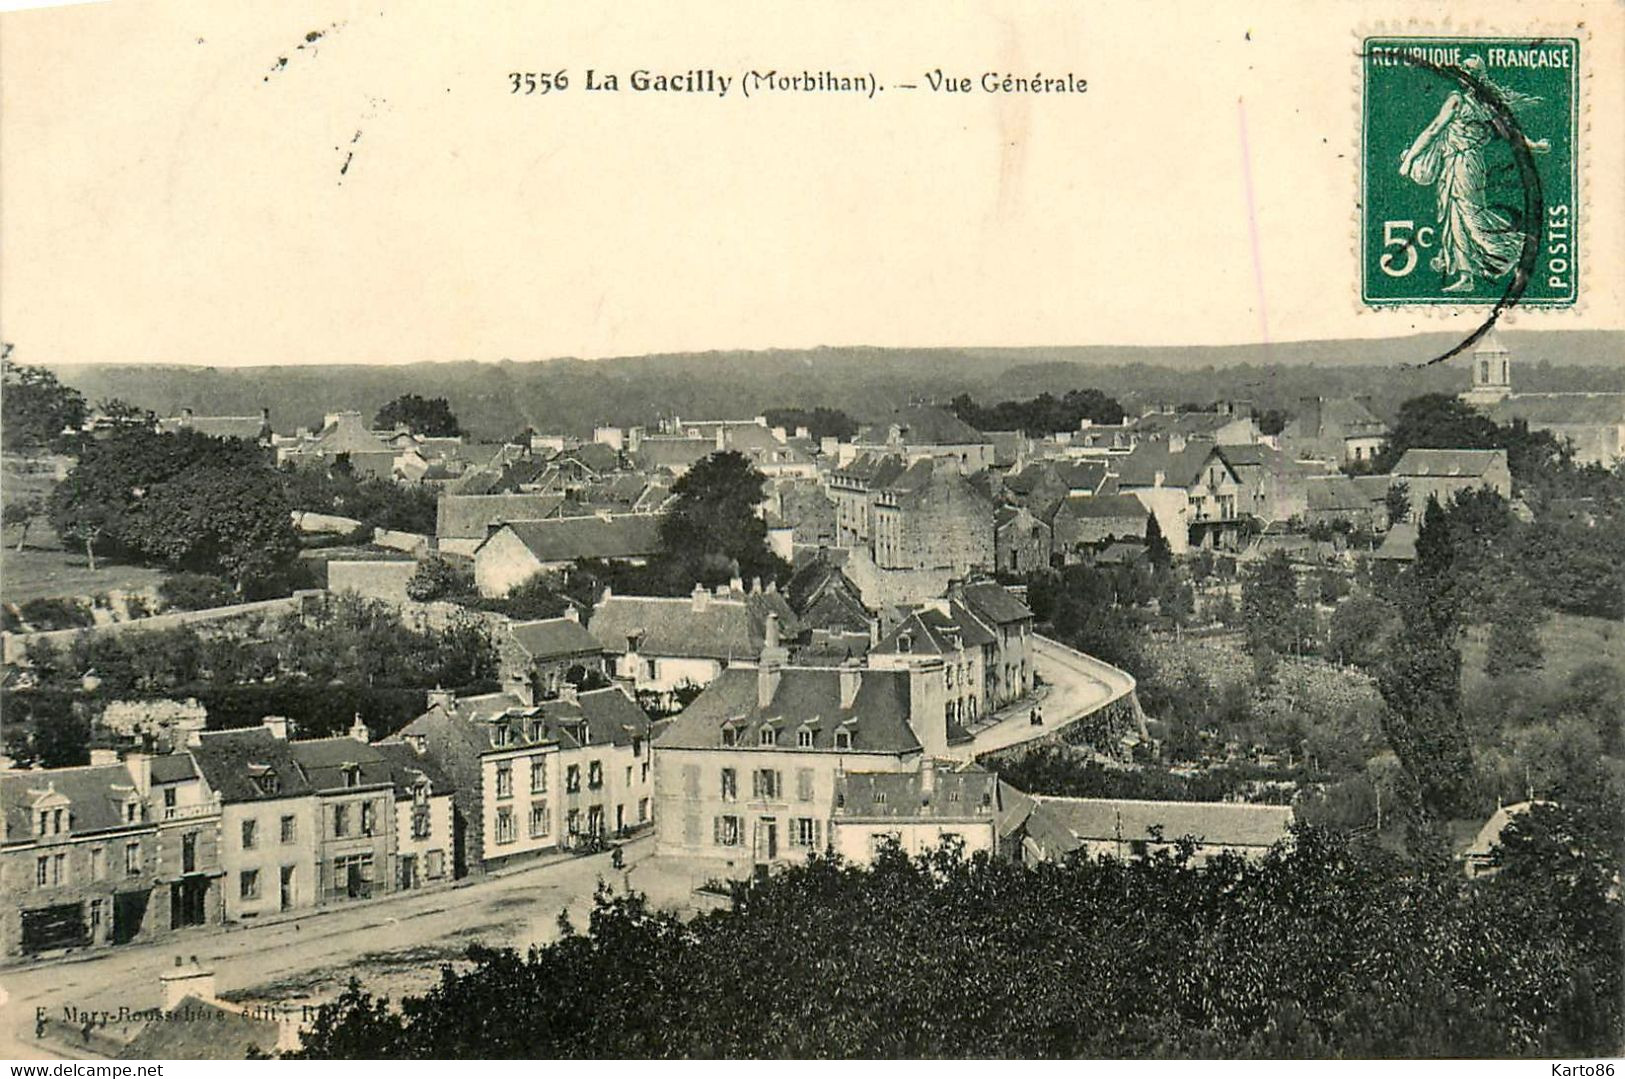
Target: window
point(730, 785)
point(541, 821)
point(804, 784)
point(595, 775)
point(725, 831)
point(843, 739)
point(645, 776)
point(352, 775)
point(189, 852)
point(1138, 848)
point(352, 877)
point(290, 829)
point(422, 822)
point(248, 884)
point(804, 832)
point(169, 801)
point(643, 810)
point(59, 869)
point(95, 918)
point(764, 784)
point(369, 818)
point(251, 834)
point(538, 775)
point(505, 780)
point(42, 871)
point(341, 821)
point(629, 775)
point(572, 822)
point(729, 738)
point(435, 863)
point(948, 675)
point(499, 735)
point(572, 779)
point(505, 826)
point(880, 798)
point(98, 863)
point(767, 736)
point(804, 738)
point(132, 859)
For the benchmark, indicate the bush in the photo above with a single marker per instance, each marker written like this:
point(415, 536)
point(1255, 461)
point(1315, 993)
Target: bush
point(194, 592)
point(47, 614)
point(435, 578)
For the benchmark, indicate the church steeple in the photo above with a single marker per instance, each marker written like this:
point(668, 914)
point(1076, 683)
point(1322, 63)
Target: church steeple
point(1492, 372)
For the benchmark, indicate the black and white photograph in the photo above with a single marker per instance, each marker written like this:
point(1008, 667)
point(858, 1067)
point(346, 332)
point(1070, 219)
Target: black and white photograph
point(721, 531)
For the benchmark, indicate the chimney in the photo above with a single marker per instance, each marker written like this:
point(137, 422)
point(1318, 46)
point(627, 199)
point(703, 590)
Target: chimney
point(186, 417)
point(101, 757)
point(755, 586)
point(277, 725)
point(569, 694)
point(722, 437)
point(927, 702)
point(139, 766)
point(874, 633)
point(186, 979)
point(359, 731)
point(767, 680)
point(851, 677)
point(572, 613)
point(736, 585)
point(772, 588)
point(1309, 416)
point(699, 598)
point(770, 632)
point(928, 779)
point(442, 698)
point(722, 591)
point(609, 594)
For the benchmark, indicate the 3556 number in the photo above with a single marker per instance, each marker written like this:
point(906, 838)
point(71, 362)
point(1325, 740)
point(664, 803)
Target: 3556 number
point(538, 82)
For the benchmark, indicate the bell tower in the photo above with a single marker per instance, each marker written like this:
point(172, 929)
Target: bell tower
point(1492, 372)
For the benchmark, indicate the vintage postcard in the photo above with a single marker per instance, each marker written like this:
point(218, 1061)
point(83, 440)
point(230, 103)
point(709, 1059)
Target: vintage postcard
point(689, 529)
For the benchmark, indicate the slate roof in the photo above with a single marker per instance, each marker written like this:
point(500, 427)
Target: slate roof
point(628, 535)
point(348, 434)
point(97, 794)
point(1121, 554)
point(927, 425)
point(227, 760)
point(871, 469)
point(1102, 507)
point(1558, 409)
point(955, 795)
point(323, 760)
point(1338, 493)
point(173, 768)
point(469, 516)
point(663, 451)
point(610, 715)
point(724, 629)
point(1140, 467)
point(805, 696)
point(1007, 446)
point(1061, 825)
point(405, 764)
point(552, 637)
point(995, 603)
point(202, 1031)
point(1443, 463)
point(1184, 423)
point(596, 456)
point(932, 632)
point(1399, 545)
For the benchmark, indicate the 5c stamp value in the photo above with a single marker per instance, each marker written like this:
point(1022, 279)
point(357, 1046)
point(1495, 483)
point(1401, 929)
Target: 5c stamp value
point(1469, 171)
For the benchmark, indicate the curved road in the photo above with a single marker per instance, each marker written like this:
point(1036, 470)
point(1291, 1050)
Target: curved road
point(1078, 685)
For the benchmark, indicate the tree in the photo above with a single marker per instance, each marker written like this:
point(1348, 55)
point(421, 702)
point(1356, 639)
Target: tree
point(1437, 421)
point(1157, 550)
point(1514, 642)
point(711, 531)
point(430, 417)
point(19, 514)
point(234, 521)
point(36, 409)
point(820, 422)
point(1397, 501)
point(193, 591)
point(1360, 627)
point(436, 578)
point(1269, 605)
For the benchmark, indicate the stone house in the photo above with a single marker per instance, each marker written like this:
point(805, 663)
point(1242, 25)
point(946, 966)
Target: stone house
point(946, 631)
point(1008, 661)
point(1334, 430)
point(519, 550)
point(1443, 474)
point(852, 488)
point(1081, 524)
point(1021, 541)
point(659, 643)
point(932, 517)
point(425, 818)
point(918, 432)
point(356, 836)
point(79, 860)
point(917, 810)
point(1056, 827)
point(546, 654)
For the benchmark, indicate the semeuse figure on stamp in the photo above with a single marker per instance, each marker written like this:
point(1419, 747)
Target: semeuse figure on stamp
point(1475, 240)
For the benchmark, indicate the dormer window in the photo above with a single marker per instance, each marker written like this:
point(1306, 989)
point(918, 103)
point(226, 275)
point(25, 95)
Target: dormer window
point(352, 775)
point(499, 735)
point(730, 736)
point(843, 739)
point(767, 737)
point(804, 738)
point(264, 779)
point(880, 798)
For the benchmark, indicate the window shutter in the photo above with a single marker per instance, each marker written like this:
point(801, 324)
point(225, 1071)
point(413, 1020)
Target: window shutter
point(716, 830)
point(818, 828)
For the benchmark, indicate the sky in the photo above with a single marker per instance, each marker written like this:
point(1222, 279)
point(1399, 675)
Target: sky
point(173, 190)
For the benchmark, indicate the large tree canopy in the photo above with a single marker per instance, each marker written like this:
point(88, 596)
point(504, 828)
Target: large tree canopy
point(1041, 415)
point(428, 416)
point(35, 408)
point(711, 531)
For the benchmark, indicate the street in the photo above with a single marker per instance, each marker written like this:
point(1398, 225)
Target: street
point(396, 946)
point(1077, 685)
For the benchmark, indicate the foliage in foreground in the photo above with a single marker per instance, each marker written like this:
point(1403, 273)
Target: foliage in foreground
point(1326, 949)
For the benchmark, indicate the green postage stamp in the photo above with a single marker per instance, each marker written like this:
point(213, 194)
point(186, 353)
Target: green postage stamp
point(1469, 171)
